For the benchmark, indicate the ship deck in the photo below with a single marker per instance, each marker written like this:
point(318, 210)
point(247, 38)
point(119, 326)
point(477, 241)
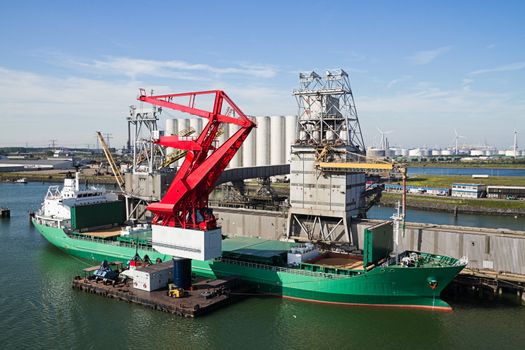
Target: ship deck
point(339, 261)
point(105, 233)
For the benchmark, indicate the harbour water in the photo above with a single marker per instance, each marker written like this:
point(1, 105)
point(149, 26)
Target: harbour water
point(40, 310)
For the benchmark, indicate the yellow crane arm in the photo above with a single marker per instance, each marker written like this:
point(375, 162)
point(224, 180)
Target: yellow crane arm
point(111, 161)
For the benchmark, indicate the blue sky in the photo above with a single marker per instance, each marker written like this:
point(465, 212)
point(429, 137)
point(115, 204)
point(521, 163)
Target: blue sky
point(418, 68)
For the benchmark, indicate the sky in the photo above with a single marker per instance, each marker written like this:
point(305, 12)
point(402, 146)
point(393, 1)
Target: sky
point(419, 69)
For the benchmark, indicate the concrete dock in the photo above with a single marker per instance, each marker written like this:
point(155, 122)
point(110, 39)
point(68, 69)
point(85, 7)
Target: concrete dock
point(205, 295)
point(496, 257)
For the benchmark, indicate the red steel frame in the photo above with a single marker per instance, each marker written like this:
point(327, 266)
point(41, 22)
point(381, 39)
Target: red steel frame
point(185, 204)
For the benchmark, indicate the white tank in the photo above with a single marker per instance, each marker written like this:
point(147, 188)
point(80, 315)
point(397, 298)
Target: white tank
point(416, 152)
point(375, 152)
point(236, 161)
point(290, 135)
point(171, 130)
point(262, 148)
point(248, 149)
point(477, 152)
point(446, 152)
point(196, 123)
point(184, 124)
point(277, 140)
point(404, 152)
point(436, 152)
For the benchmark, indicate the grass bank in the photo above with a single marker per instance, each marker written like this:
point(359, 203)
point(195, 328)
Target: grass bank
point(477, 206)
point(36, 176)
point(447, 181)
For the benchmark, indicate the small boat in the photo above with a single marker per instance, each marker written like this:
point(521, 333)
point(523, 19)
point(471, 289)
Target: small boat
point(22, 180)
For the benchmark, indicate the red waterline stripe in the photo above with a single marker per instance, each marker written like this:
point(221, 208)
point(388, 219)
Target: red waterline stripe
point(421, 307)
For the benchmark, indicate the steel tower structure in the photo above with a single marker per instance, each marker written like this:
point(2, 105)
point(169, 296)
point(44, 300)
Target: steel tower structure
point(323, 202)
point(327, 112)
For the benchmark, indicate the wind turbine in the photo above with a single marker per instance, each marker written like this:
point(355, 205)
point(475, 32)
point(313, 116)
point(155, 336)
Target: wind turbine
point(457, 138)
point(383, 138)
point(515, 143)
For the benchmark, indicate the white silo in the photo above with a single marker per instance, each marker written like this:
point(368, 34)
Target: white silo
point(184, 125)
point(196, 124)
point(236, 161)
point(277, 140)
point(290, 129)
point(477, 152)
point(416, 152)
point(171, 130)
point(262, 149)
point(248, 149)
point(374, 152)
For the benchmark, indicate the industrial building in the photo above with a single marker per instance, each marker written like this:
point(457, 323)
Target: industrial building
point(468, 190)
point(35, 164)
point(506, 192)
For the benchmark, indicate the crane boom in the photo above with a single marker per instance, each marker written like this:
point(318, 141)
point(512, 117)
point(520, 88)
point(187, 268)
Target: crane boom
point(111, 161)
point(185, 204)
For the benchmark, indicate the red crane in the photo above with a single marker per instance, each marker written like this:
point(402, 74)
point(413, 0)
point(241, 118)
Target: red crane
point(185, 204)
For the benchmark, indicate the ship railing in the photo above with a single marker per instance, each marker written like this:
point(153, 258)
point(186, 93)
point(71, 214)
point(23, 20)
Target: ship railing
point(105, 241)
point(282, 269)
point(49, 221)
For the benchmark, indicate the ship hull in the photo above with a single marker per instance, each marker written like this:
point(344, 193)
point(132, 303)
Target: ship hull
point(382, 287)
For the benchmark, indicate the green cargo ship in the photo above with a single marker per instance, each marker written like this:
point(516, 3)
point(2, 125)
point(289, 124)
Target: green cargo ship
point(411, 279)
point(88, 224)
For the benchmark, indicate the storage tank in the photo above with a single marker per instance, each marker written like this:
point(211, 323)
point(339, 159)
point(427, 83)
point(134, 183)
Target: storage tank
point(171, 130)
point(477, 152)
point(446, 152)
point(277, 140)
point(290, 135)
point(184, 124)
point(248, 149)
point(236, 161)
point(196, 123)
point(436, 152)
point(375, 152)
point(262, 148)
point(182, 273)
point(416, 152)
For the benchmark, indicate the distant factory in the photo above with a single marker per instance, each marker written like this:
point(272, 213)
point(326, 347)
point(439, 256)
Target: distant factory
point(464, 152)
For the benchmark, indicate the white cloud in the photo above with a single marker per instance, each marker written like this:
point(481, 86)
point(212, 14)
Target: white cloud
point(139, 68)
point(427, 56)
point(37, 108)
point(398, 80)
point(505, 68)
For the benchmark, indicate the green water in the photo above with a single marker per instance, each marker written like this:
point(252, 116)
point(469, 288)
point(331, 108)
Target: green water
point(39, 310)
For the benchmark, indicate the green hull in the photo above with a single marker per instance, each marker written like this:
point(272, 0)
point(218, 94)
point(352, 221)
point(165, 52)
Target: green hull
point(392, 286)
